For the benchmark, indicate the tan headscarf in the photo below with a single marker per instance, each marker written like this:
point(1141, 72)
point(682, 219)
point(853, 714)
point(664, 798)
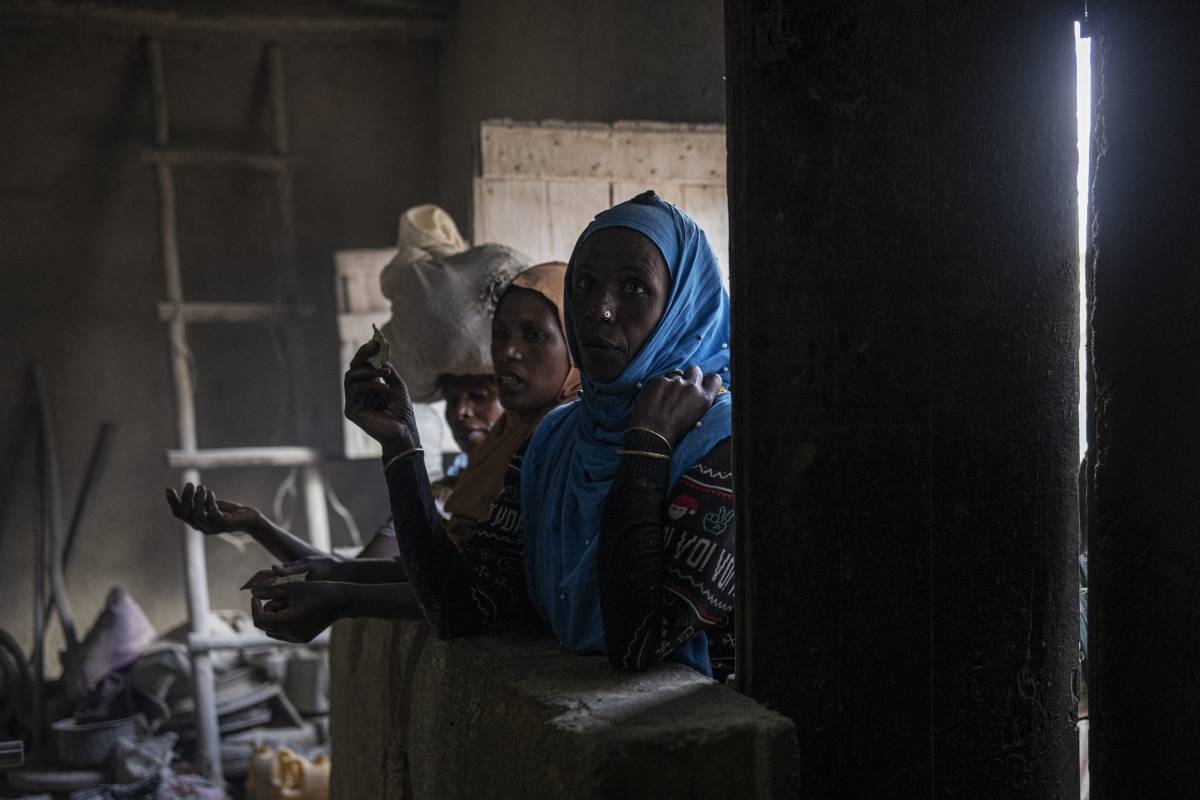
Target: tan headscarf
point(483, 479)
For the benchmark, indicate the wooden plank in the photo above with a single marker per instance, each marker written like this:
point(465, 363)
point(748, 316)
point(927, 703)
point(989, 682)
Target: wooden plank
point(544, 150)
point(513, 213)
point(710, 208)
point(358, 274)
point(669, 155)
point(628, 151)
point(684, 164)
point(217, 458)
point(572, 205)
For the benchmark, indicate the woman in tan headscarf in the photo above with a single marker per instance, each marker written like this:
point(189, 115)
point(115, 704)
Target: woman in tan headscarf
point(534, 374)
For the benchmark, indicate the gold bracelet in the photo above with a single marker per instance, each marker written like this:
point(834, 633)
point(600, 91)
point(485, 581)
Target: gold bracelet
point(652, 433)
point(646, 453)
point(405, 454)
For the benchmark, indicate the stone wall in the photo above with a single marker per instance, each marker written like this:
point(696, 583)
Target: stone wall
point(514, 715)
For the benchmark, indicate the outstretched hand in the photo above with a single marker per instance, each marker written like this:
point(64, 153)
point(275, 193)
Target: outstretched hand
point(671, 405)
point(378, 402)
point(199, 507)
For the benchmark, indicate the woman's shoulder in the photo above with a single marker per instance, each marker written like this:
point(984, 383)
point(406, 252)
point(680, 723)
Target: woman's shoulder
point(554, 418)
point(544, 437)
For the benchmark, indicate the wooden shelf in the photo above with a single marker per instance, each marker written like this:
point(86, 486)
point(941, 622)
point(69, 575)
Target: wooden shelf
point(218, 458)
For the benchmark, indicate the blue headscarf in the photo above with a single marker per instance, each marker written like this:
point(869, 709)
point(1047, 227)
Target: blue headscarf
point(572, 457)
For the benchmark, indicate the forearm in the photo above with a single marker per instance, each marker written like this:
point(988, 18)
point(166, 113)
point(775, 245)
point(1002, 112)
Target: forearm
point(281, 543)
point(439, 577)
point(380, 601)
point(372, 571)
point(631, 552)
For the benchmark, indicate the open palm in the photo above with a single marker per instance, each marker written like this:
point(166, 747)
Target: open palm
point(199, 507)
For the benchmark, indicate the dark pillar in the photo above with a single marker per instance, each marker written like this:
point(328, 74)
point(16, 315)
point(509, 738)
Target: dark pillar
point(904, 261)
point(1144, 508)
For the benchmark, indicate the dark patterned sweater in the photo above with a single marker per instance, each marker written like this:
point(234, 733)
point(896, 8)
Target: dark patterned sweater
point(666, 557)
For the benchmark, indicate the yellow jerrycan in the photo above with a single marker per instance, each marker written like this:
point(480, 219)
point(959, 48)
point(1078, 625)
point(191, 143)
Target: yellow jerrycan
point(284, 775)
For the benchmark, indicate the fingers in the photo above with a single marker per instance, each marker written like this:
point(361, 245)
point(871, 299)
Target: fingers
point(361, 390)
point(269, 617)
point(188, 505)
point(369, 379)
point(711, 384)
point(282, 592)
point(693, 374)
point(198, 499)
point(173, 502)
point(392, 378)
point(185, 499)
point(210, 505)
point(291, 568)
point(363, 381)
point(367, 373)
point(264, 577)
point(361, 386)
point(363, 353)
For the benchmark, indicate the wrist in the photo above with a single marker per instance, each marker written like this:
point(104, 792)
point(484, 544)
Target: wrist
point(660, 427)
point(258, 523)
point(339, 572)
point(654, 436)
point(395, 448)
point(661, 430)
point(645, 454)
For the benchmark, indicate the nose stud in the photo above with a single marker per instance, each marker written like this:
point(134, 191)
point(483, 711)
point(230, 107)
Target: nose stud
point(607, 314)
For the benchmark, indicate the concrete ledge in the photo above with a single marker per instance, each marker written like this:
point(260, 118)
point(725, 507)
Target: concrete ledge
point(513, 715)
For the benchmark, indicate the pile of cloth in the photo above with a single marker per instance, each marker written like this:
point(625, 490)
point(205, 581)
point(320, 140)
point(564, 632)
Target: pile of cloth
point(125, 715)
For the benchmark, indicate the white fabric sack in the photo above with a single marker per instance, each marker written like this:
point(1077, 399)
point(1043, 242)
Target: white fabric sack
point(442, 313)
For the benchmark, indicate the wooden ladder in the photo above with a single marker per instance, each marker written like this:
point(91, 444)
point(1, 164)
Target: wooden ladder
point(177, 314)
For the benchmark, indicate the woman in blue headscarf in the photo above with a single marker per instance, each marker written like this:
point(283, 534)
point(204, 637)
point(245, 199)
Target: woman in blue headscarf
point(616, 520)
